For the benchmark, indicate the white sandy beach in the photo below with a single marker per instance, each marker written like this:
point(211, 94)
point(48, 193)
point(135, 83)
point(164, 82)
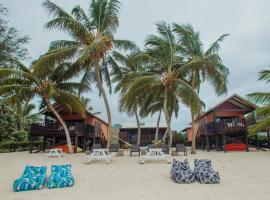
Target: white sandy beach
point(244, 176)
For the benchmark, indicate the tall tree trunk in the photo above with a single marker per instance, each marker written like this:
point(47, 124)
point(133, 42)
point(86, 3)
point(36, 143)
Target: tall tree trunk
point(157, 129)
point(62, 122)
point(167, 116)
point(139, 128)
point(193, 141)
point(103, 93)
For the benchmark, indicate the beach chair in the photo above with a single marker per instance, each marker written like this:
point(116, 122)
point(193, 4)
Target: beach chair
point(60, 177)
point(181, 172)
point(165, 148)
point(114, 148)
point(33, 178)
point(151, 146)
point(135, 149)
point(204, 173)
point(96, 146)
point(181, 148)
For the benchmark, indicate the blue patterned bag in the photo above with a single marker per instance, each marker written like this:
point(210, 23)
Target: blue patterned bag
point(60, 177)
point(33, 178)
point(181, 172)
point(204, 173)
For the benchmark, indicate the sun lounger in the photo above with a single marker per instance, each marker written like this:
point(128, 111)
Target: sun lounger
point(181, 172)
point(181, 148)
point(33, 178)
point(165, 148)
point(135, 149)
point(60, 177)
point(114, 148)
point(204, 173)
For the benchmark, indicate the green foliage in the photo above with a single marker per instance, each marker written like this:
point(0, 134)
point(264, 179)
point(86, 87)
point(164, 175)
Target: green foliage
point(262, 114)
point(12, 44)
point(8, 122)
point(180, 138)
point(10, 146)
point(15, 121)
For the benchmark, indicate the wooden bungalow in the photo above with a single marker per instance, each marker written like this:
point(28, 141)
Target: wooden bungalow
point(129, 133)
point(84, 130)
point(225, 124)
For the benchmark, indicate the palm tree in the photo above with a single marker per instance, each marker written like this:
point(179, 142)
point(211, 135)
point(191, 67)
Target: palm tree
point(127, 65)
point(47, 82)
point(204, 66)
point(92, 41)
point(164, 75)
point(262, 114)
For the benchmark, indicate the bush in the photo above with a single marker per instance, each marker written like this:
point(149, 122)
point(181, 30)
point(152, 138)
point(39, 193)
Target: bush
point(12, 146)
point(180, 137)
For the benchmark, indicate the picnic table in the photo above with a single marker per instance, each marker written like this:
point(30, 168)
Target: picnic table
point(98, 154)
point(57, 152)
point(155, 154)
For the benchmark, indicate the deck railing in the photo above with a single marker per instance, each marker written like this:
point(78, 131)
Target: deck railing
point(40, 129)
point(224, 126)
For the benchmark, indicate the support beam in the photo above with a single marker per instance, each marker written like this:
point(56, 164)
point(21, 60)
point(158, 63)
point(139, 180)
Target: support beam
point(54, 140)
point(76, 144)
point(247, 145)
point(257, 142)
point(216, 137)
point(207, 143)
point(31, 145)
point(268, 139)
point(223, 142)
point(84, 144)
point(44, 144)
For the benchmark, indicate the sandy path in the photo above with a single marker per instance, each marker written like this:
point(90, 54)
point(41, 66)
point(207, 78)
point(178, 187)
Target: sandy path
point(244, 176)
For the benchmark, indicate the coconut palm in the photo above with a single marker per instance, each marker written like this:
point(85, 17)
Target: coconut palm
point(164, 75)
point(92, 41)
point(48, 83)
point(127, 65)
point(206, 66)
point(262, 114)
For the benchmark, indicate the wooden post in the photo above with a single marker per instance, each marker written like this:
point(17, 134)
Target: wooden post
point(76, 144)
point(257, 142)
point(84, 144)
point(268, 139)
point(44, 144)
point(247, 145)
point(31, 145)
point(216, 142)
point(207, 143)
point(223, 142)
point(53, 141)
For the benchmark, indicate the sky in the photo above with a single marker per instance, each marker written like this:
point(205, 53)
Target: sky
point(245, 52)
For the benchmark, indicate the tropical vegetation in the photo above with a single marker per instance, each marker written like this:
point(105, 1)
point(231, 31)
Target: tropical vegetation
point(262, 114)
point(203, 66)
point(166, 73)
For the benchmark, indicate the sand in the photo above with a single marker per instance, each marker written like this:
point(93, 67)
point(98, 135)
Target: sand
point(243, 175)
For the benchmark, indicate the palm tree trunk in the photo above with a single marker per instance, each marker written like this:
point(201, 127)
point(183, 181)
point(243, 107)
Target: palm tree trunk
point(139, 128)
point(157, 129)
point(167, 116)
point(62, 122)
point(103, 93)
point(193, 141)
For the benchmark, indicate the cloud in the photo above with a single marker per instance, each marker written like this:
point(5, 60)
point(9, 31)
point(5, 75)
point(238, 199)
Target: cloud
point(245, 52)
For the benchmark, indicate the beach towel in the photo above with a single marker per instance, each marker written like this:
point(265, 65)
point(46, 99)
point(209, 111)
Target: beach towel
point(60, 177)
point(181, 172)
point(33, 178)
point(204, 172)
